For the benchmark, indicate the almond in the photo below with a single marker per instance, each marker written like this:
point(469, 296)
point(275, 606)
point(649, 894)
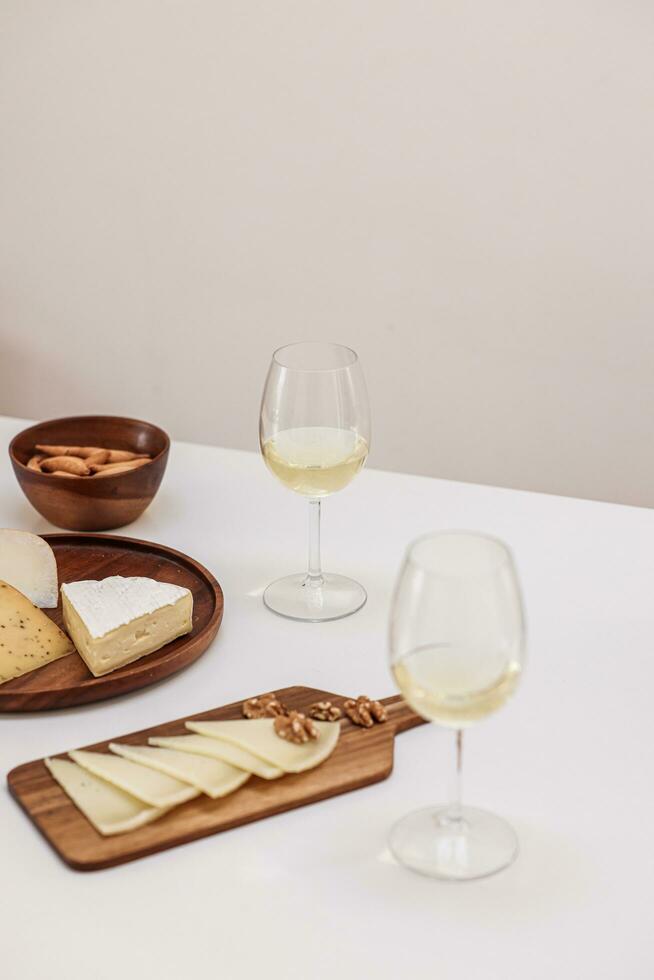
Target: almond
point(65, 464)
point(113, 469)
point(81, 451)
point(34, 462)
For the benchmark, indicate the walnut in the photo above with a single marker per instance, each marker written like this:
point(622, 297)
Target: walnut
point(365, 712)
point(265, 706)
point(325, 711)
point(295, 727)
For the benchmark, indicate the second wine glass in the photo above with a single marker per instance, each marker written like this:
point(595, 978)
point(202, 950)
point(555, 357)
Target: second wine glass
point(314, 433)
point(457, 649)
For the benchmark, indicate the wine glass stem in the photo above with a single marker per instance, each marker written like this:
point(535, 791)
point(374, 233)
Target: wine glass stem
point(314, 576)
point(454, 808)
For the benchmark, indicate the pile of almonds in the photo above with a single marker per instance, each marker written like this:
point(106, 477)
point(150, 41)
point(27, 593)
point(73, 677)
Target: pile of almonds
point(85, 461)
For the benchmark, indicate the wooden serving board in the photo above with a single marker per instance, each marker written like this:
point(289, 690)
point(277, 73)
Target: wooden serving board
point(362, 756)
point(68, 681)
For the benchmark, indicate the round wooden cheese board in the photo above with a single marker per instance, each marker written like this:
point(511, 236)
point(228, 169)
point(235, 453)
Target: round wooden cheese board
point(67, 682)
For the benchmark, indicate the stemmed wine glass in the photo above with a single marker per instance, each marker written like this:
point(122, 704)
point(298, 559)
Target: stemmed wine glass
point(457, 649)
point(314, 434)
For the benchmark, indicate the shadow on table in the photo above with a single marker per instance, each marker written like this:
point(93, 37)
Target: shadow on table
point(549, 875)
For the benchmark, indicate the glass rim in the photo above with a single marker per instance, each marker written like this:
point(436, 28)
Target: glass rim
point(504, 552)
point(314, 343)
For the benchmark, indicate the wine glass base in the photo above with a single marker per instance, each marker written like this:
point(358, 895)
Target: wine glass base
point(431, 842)
point(315, 600)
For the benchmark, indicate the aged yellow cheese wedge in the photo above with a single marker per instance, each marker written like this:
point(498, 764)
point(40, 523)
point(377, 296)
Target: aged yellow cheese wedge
point(235, 756)
point(28, 639)
point(213, 777)
point(151, 787)
point(109, 809)
point(259, 737)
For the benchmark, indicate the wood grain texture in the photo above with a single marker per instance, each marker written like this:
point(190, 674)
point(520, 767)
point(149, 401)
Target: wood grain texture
point(86, 503)
point(68, 681)
point(362, 756)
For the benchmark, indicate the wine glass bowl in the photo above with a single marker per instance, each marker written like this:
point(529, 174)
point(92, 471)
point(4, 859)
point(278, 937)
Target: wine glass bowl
point(457, 648)
point(314, 433)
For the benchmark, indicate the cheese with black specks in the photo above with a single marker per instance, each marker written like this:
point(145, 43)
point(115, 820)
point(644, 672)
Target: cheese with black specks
point(28, 638)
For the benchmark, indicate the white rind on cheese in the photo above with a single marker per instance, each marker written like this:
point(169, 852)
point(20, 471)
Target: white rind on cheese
point(258, 736)
point(28, 638)
point(151, 787)
point(109, 809)
point(213, 777)
point(211, 747)
point(106, 604)
point(28, 563)
point(117, 620)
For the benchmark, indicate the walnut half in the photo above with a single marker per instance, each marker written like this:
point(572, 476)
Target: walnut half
point(325, 711)
point(295, 727)
point(265, 706)
point(365, 712)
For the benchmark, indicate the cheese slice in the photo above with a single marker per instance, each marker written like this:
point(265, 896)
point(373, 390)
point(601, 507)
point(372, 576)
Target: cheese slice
point(213, 777)
point(28, 639)
point(211, 747)
point(258, 736)
point(28, 563)
point(110, 810)
point(116, 620)
point(151, 787)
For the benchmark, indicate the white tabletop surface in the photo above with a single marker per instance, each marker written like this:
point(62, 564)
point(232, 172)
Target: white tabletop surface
point(313, 893)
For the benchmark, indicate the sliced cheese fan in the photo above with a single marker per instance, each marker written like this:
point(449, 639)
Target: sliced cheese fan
point(151, 787)
point(213, 777)
point(109, 809)
point(214, 749)
point(258, 737)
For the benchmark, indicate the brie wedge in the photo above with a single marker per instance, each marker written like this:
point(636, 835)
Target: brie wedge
point(116, 620)
point(151, 787)
point(110, 810)
point(213, 777)
point(258, 736)
point(28, 563)
point(211, 747)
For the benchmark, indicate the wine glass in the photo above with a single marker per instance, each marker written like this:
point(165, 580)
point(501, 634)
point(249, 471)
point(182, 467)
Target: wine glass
point(314, 433)
point(457, 649)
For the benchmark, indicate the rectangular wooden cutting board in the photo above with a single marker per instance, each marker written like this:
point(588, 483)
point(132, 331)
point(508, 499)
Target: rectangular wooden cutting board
point(362, 756)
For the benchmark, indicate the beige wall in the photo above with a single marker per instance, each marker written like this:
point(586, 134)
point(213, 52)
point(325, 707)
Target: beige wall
point(460, 190)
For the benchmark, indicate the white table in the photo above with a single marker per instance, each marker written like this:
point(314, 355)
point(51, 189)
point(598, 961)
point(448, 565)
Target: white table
point(314, 893)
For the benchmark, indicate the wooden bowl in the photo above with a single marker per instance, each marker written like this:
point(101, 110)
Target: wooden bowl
point(86, 503)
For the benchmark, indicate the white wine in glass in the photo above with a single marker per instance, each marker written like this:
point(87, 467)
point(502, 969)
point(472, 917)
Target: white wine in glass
point(314, 433)
point(457, 648)
point(315, 460)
